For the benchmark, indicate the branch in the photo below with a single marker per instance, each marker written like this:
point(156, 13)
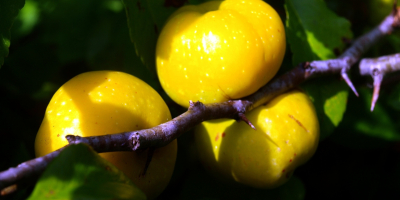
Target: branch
point(361, 45)
point(377, 68)
point(165, 133)
point(26, 170)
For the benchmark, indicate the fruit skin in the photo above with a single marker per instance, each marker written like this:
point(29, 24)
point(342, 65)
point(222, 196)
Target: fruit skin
point(219, 50)
point(287, 136)
point(106, 102)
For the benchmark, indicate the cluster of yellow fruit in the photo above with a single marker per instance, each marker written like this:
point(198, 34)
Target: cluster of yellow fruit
point(223, 50)
point(213, 52)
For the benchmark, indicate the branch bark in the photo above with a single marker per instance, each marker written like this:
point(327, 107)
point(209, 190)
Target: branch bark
point(26, 170)
point(165, 133)
point(377, 68)
point(344, 62)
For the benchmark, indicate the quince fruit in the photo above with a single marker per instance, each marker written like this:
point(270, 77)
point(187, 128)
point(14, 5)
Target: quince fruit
point(286, 137)
point(107, 102)
point(219, 50)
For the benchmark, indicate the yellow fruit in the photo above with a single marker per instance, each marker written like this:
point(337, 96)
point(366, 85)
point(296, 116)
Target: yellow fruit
point(219, 50)
point(107, 102)
point(287, 136)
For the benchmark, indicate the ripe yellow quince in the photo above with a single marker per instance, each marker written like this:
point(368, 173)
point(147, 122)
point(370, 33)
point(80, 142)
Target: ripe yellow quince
point(219, 50)
point(107, 102)
point(287, 136)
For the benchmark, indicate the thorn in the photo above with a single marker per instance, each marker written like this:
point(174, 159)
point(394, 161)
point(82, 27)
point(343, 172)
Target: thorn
point(150, 153)
point(377, 86)
point(8, 190)
point(244, 118)
point(349, 83)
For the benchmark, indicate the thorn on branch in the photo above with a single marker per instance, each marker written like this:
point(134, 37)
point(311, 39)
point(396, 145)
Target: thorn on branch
point(377, 68)
point(348, 81)
point(8, 190)
point(377, 86)
point(150, 154)
point(247, 121)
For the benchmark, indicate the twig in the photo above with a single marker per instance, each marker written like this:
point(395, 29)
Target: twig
point(165, 133)
point(26, 170)
point(377, 68)
point(353, 54)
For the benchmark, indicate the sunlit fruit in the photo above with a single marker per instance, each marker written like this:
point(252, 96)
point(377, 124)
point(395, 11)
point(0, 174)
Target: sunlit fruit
point(219, 50)
point(108, 102)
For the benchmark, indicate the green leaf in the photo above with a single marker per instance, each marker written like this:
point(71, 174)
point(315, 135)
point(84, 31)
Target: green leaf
point(313, 31)
point(329, 96)
point(145, 21)
point(8, 11)
point(363, 129)
point(316, 33)
point(79, 173)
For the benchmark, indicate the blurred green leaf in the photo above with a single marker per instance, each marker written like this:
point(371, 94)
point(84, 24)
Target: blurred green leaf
point(115, 6)
point(316, 33)
point(29, 17)
point(79, 173)
point(46, 91)
point(145, 21)
point(8, 11)
point(377, 124)
point(363, 129)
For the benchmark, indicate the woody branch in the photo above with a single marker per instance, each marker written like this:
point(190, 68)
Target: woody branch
point(377, 68)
